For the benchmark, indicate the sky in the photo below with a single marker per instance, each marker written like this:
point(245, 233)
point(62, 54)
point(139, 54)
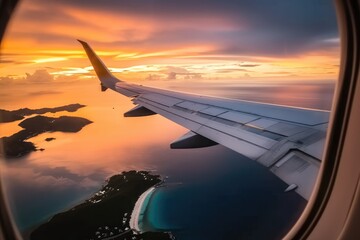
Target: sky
point(190, 43)
point(155, 40)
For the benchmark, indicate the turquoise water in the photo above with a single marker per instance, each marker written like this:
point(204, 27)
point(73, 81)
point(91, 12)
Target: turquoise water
point(143, 210)
point(234, 198)
point(154, 221)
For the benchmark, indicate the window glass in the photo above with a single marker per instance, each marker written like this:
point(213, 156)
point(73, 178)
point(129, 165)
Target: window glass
point(74, 167)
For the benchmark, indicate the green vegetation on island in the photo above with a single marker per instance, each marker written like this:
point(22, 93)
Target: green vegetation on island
point(105, 215)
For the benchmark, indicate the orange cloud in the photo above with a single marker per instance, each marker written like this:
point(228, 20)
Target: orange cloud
point(135, 45)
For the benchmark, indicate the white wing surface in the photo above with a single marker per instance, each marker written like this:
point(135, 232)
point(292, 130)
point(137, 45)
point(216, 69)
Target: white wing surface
point(287, 140)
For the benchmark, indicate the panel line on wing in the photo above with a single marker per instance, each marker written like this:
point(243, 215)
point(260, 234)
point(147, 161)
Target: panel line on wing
point(247, 136)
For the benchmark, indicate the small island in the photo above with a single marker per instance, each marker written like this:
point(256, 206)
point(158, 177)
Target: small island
point(16, 145)
point(106, 215)
point(49, 139)
point(15, 115)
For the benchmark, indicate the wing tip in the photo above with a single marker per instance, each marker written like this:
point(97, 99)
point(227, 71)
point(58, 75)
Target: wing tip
point(82, 42)
point(103, 73)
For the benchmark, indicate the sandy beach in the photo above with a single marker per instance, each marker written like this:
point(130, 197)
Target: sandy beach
point(136, 213)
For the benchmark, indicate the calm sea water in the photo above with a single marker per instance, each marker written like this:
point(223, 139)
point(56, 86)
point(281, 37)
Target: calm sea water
point(235, 198)
point(211, 193)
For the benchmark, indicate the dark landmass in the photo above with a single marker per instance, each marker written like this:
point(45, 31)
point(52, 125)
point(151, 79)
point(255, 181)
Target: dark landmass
point(10, 116)
point(49, 139)
point(106, 215)
point(17, 146)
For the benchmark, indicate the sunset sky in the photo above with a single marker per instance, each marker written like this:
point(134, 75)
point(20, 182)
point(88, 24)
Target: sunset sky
point(172, 40)
point(212, 46)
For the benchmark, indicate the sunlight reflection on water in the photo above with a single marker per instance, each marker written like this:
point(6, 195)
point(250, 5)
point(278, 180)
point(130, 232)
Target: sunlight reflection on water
point(74, 165)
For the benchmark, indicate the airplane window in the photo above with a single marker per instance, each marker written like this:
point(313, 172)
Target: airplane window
point(164, 119)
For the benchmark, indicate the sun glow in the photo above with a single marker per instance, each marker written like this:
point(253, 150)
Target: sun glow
point(52, 59)
point(142, 47)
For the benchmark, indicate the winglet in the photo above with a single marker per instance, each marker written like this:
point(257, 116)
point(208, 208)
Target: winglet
point(103, 73)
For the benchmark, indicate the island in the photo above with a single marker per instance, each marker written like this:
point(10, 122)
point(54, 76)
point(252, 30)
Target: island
point(16, 145)
point(49, 139)
point(15, 115)
point(106, 215)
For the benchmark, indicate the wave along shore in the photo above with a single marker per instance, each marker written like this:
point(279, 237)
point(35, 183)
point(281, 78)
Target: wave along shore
point(139, 209)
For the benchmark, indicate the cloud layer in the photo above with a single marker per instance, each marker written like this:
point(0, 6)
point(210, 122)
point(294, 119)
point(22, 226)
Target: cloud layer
point(173, 33)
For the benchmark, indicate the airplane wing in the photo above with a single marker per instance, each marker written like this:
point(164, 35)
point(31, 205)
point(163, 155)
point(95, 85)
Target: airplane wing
point(287, 140)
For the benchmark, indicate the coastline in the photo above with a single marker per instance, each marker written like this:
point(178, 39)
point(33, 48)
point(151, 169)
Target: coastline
point(98, 216)
point(135, 214)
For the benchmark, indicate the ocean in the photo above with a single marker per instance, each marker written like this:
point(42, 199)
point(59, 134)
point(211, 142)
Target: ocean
point(210, 193)
point(235, 198)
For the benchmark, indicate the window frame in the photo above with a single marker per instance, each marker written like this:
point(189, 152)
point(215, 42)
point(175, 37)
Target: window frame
point(340, 154)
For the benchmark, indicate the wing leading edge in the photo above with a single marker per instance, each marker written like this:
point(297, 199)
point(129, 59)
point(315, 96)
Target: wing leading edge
point(289, 141)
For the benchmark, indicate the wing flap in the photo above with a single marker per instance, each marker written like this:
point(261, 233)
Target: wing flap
point(238, 117)
point(213, 111)
point(299, 169)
